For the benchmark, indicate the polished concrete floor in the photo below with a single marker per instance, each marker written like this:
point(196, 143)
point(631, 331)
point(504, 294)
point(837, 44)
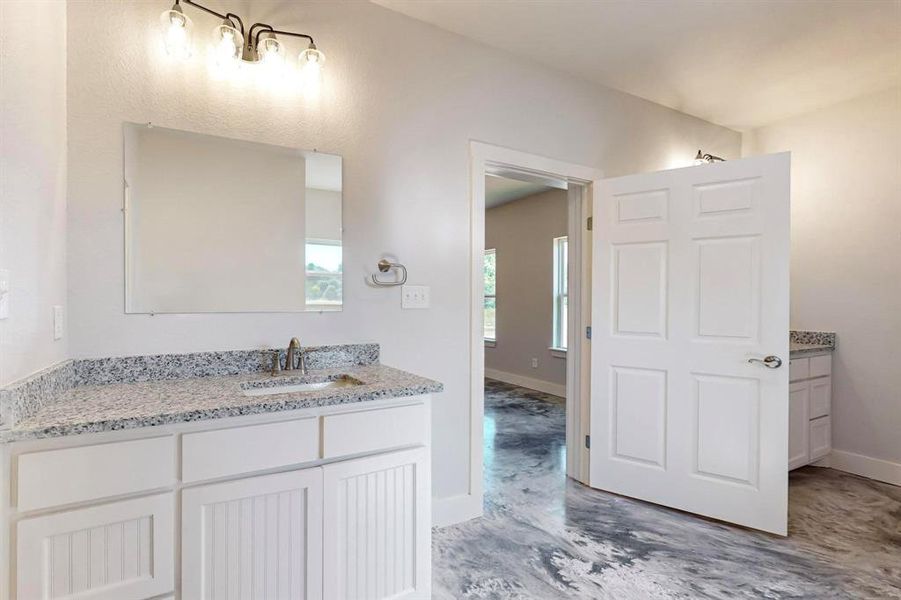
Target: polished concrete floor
point(544, 536)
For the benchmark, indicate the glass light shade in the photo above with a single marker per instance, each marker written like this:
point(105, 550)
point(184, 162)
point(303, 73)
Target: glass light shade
point(311, 61)
point(271, 52)
point(227, 44)
point(311, 58)
point(177, 31)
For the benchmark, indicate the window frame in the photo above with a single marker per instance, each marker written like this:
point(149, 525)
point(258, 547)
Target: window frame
point(560, 291)
point(489, 342)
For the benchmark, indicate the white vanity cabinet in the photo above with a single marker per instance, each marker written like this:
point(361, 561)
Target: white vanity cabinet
point(110, 552)
point(810, 409)
point(330, 503)
point(257, 537)
point(377, 540)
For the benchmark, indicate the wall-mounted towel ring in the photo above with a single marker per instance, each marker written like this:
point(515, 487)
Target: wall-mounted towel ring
point(386, 265)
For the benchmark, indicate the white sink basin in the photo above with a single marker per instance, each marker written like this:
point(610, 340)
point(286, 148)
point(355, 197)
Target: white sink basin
point(293, 387)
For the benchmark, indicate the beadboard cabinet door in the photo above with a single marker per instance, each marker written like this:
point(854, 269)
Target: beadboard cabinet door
point(377, 531)
point(798, 424)
point(259, 537)
point(117, 551)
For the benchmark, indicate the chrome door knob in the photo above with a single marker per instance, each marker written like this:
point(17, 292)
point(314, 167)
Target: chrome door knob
point(770, 362)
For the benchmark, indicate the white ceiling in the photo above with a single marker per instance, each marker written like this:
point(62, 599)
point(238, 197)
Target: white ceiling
point(738, 63)
point(500, 190)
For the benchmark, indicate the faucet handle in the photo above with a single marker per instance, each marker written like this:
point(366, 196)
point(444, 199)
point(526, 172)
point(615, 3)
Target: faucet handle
point(276, 363)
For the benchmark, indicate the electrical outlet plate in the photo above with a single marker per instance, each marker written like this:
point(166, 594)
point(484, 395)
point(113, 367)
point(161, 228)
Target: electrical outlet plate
point(415, 296)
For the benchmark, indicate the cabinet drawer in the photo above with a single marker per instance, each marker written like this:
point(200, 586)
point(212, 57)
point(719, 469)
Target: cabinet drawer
point(820, 397)
point(821, 365)
point(798, 368)
point(820, 437)
point(223, 452)
point(366, 431)
point(69, 475)
point(110, 552)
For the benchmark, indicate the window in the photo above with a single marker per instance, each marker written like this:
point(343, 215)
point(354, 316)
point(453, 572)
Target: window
point(490, 320)
point(561, 292)
point(323, 274)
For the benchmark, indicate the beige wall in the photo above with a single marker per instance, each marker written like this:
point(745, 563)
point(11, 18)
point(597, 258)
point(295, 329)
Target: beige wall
point(32, 182)
point(523, 232)
point(400, 102)
point(846, 257)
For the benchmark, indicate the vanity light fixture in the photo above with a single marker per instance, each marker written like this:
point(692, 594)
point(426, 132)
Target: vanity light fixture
point(232, 43)
point(702, 158)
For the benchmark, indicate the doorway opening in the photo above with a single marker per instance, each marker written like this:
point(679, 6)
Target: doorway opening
point(526, 327)
point(529, 295)
point(525, 291)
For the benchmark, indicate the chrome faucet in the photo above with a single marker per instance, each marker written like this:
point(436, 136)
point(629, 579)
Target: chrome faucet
point(290, 360)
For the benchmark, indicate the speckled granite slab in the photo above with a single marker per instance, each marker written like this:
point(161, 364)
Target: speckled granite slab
point(23, 399)
point(803, 343)
point(130, 369)
point(111, 407)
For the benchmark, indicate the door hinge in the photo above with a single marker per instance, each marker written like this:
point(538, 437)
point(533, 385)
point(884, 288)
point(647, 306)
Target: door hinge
point(588, 332)
point(588, 441)
point(590, 223)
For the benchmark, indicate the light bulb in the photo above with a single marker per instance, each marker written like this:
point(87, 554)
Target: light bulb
point(311, 61)
point(227, 43)
point(177, 29)
point(311, 58)
point(271, 52)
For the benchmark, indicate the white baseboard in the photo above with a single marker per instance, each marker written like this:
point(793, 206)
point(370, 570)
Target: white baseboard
point(865, 466)
point(456, 509)
point(527, 382)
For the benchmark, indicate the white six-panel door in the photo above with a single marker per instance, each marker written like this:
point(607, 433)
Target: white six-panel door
point(690, 282)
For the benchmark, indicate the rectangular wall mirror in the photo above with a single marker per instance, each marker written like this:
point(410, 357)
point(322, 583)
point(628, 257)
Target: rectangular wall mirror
point(214, 224)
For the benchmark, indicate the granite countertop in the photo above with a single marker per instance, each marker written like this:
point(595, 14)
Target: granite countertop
point(108, 394)
point(110, 407)
point(804, 343)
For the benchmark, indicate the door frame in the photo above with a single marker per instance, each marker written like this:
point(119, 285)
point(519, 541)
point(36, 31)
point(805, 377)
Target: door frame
point(486, 159)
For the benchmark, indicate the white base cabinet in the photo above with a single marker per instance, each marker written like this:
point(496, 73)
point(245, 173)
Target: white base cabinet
point(119, 551)
point(254, 507)
point(377, 522)
point(809, 410)
point(258, 537)
point(798, 424)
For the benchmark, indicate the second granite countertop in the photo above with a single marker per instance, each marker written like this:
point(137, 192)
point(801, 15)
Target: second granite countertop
point(111, 407)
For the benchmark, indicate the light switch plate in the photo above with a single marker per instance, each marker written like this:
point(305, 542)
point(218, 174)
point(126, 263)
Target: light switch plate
point(59, 323)
point(4, 294)
point(415, 296)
